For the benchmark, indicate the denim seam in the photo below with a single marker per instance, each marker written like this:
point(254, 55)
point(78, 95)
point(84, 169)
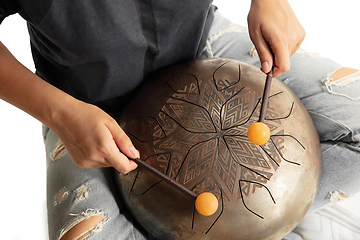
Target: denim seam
point(340, 124)
point(336, 144)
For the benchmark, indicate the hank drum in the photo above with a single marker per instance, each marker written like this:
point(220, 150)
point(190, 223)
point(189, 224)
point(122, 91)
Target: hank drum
point(190, 122)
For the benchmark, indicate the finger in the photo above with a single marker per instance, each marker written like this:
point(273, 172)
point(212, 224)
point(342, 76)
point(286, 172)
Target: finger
point(299, 40)
point(89, 164)
point(122, 149)
point(264, 51)
point(100, 165)
point(124, 143)
point(281, 58)
point(295, 48)
point(112, 156)
point(125, 165)
point(119, 161)
point(86, 158)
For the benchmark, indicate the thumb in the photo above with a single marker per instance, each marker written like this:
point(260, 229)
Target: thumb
point(124, 144)
point(265, 55)
point(265, 66)
point(263, 49)
point(127, 150)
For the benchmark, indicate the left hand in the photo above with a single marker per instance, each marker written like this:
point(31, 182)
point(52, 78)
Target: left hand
point(276, 33)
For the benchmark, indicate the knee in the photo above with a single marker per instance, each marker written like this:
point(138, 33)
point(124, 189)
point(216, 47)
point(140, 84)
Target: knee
point(341, 73)
point(83, 226)
point(340, 78)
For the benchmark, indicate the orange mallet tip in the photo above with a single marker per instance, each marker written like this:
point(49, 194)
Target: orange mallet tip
point(206, 204)
point(258, 133)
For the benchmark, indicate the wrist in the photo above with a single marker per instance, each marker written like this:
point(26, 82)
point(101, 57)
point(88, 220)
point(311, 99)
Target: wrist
point(59, 110)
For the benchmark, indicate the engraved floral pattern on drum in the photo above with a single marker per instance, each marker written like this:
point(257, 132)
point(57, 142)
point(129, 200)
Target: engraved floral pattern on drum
point(199, 135)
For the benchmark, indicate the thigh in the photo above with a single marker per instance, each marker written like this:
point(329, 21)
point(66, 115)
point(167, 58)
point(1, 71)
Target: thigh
point(75, 194)
point(335, 114)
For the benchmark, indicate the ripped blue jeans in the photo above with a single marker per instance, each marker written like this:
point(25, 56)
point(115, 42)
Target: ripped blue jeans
point(75, 194)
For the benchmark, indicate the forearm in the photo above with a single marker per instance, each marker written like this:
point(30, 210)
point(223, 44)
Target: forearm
point(91, 137)
point(25, 90)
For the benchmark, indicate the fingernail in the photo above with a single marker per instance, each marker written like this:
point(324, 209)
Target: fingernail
point(134, 152)
point(265, 66)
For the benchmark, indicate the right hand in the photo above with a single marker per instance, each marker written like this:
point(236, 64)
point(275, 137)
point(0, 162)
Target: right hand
point(93, 138)
point(276, 33)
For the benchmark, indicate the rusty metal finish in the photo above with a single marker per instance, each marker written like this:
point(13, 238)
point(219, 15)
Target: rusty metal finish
point(190, 122)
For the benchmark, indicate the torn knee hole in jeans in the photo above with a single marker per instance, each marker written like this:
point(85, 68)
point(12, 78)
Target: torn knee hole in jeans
point(253, 52)
point(58, 151)
point(344, 82)
point(82, 194)
point(85, 223)
point(60, 196)
point(337, 196)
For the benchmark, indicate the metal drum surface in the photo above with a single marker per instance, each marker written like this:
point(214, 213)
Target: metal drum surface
point(190, 122)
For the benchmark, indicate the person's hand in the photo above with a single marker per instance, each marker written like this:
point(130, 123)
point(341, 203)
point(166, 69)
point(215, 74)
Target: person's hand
point(275, 32)
point(93, 138)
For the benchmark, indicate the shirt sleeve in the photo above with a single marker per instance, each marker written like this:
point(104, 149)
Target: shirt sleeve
point(8, 7)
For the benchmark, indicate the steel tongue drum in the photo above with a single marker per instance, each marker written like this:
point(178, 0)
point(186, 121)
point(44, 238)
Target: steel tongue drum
point(190, 122)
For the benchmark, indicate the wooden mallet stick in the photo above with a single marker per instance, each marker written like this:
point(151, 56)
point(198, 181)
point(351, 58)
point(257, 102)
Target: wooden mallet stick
point(266, 93)
point(165, 178)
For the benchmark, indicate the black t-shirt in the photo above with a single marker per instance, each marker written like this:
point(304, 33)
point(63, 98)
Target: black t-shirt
point(99, 51)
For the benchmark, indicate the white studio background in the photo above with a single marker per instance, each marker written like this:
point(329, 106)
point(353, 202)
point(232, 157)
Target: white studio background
point(332, 28)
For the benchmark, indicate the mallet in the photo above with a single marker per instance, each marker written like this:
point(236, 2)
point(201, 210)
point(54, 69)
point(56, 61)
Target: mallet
point(206, 203)
point(259, 133)
point(265, 98)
